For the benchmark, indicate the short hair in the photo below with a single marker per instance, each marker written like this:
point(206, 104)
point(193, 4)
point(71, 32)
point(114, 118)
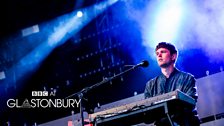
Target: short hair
point(168, 46)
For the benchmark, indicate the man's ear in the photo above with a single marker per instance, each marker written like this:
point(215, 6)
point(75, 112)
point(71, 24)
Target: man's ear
point(174, 56)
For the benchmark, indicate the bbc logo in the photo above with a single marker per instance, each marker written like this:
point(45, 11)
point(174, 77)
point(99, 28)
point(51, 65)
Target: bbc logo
point(39, 93)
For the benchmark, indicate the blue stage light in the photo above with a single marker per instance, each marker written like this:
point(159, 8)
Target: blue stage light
point(79, 14)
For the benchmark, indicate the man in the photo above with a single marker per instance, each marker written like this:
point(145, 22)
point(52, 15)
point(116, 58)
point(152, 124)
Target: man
point(172, 79)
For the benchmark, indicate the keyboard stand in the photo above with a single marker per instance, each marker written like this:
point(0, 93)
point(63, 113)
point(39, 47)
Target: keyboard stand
point(167, 113)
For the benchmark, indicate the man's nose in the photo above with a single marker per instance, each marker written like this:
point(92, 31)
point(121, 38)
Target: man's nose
point(159, 55)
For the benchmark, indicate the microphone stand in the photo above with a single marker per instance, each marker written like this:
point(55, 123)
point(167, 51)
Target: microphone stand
point(81, 93)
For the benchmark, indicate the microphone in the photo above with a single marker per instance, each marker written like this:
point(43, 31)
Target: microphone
point(144, 63)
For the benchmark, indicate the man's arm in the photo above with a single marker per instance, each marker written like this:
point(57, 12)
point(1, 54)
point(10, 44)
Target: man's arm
point(148, 89)
point(190, 87)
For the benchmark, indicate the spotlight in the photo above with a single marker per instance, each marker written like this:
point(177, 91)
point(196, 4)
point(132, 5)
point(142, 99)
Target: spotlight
point(207, 72)
point(221, 68)
point(79, 14)
point(30, 30)
point(2, 75)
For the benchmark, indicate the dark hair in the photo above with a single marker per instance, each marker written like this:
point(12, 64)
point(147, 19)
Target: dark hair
point(168, 46)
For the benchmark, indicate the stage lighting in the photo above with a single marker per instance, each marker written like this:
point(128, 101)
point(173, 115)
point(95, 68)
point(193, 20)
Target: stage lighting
point(79, 14)
point(30, 30)
point(2, 75)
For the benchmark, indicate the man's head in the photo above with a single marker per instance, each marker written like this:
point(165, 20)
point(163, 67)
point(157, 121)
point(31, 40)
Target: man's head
point(166, 54)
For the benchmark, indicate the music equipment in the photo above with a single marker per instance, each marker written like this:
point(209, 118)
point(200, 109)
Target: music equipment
point(128, 113)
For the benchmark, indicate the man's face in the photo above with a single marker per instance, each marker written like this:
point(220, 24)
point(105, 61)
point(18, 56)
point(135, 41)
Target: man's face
point(164, 58)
